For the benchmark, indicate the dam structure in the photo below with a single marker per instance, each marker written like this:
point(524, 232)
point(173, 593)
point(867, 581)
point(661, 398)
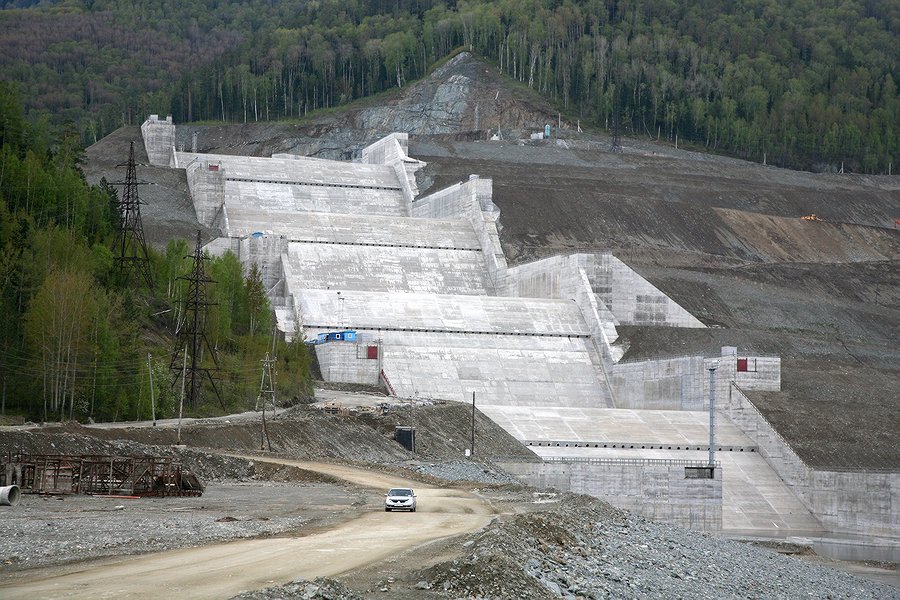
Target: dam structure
point(412, 292)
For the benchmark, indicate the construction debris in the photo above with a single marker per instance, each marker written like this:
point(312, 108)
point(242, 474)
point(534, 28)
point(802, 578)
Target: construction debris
point(98, 475)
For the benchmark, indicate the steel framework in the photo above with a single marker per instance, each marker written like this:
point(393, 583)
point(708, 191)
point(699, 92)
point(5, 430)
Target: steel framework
point(132, 253)
point(99, 475)
point(192, 334)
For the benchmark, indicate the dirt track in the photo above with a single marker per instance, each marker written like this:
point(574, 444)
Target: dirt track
point(223, 570)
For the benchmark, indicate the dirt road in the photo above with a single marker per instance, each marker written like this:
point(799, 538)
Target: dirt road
point(223, 570)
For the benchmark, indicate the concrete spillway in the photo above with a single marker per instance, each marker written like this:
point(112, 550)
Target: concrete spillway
point(424, 284)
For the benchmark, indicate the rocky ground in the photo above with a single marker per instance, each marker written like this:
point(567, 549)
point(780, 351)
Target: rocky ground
point(543, 544)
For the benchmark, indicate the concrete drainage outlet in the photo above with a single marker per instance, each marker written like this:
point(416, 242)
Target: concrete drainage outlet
point(9, 495)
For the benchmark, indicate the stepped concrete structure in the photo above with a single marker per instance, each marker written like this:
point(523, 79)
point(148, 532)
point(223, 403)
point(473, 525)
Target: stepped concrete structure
point(435, 313)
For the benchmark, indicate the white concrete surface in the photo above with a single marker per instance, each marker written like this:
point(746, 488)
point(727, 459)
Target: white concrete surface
point(754, 499)
point(674, 428)
point(424, 312)
point(379, 268)
point(246, 219)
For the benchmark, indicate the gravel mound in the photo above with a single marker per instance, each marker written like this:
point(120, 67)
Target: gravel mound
point(466, 470)
point(319, 589)
point(584, 548)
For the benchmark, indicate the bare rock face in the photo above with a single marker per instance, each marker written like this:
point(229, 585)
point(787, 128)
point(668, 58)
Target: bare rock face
point(464, 96)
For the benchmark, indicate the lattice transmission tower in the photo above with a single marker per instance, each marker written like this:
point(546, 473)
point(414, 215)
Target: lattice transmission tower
point(192, 333)
point(132, 255)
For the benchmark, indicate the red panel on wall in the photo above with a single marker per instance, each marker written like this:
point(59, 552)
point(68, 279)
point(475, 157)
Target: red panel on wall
point(742, 365)
point(372, 352)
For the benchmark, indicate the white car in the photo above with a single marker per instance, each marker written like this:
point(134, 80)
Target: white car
point(400, 499)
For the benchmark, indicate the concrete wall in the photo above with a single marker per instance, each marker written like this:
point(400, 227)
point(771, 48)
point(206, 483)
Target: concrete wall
point(847, 501)
point(266, 251)
point(393, 150)
point(764, 373)
point(470, 200)
point(656, 489)
point(159, 140)
point(206, 181)
point(348, 362)
point(629, 297)
point(682, 382)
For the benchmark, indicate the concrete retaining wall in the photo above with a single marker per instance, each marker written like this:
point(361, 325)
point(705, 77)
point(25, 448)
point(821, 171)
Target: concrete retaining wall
point(266, 251)
point(206, 181)
point(393, 150)
point(763, 373)
point(656, 489)
point(682, 382)
point(629, 297)
point(470, 200)
point(856, 502)
point(348, 362)
point(159, 140)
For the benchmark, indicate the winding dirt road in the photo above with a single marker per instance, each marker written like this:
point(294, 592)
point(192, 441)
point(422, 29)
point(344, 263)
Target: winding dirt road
point(224, 570)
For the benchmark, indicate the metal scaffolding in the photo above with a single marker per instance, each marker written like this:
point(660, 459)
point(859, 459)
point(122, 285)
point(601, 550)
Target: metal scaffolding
point(99, 475)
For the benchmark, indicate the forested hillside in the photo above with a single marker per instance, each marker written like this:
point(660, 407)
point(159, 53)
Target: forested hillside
point(75, 336)
point(807, 84)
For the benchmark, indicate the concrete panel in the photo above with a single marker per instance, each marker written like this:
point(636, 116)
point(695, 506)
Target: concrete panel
point(631, 298)
point(245, 219)
point(674, 428)
point(523, 377)
point(277, 199)
point(347, 362)
point(431, 312)
point(300, 170)
point(378, 268)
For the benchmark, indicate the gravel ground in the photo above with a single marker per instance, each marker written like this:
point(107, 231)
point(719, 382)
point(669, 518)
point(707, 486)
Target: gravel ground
point(466, 470)
point(584, 548)
point(61, 529)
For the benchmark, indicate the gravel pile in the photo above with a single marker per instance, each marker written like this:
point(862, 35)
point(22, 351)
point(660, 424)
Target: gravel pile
point(585, 548)
point(319, 589)
point(465, 470)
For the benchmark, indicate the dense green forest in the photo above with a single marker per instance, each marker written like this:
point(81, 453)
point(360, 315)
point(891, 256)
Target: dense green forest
point(76, 336)
point(809, 83)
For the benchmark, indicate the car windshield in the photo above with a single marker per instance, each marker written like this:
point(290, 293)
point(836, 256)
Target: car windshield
point(400, 492)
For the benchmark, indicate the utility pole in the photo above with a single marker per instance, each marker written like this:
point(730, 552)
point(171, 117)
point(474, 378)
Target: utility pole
point(473, 423)
point(616, 147)
point(712, 413)
point(193, 332)
point(132, 247)
point(152, 401)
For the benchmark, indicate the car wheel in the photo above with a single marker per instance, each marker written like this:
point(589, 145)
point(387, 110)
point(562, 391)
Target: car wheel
point(413, 509)
point(386, 509)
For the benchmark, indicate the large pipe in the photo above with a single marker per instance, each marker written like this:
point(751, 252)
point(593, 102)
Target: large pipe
point(9, 495)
